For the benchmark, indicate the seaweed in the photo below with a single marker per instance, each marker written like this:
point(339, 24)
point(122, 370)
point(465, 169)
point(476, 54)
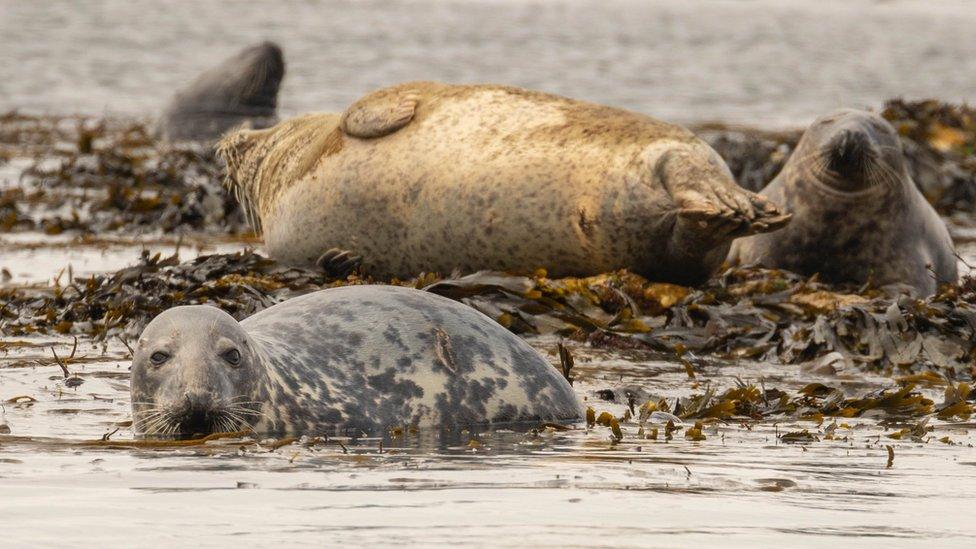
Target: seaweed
point(95, 176)
point(741, 313)
point(748, 403)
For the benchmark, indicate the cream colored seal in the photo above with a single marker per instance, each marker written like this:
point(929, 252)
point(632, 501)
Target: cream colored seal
point(436, 177)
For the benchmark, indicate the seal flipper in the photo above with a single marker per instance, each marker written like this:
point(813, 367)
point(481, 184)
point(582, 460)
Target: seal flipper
point(709, 204)
point(380, 113)
point(338, 263)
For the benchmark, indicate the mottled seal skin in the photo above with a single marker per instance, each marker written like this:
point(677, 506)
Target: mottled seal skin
point(243, 90)
point(360, 358)
point(435, 177)
point(857, 215)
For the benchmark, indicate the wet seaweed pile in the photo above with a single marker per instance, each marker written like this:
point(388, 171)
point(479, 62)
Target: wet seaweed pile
point(903, 409)
point(122, 303)
point(96, 176)
point(742, 313)
point(939, 140)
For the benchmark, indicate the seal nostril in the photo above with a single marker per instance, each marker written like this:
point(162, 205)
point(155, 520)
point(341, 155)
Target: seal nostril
point(847, 151)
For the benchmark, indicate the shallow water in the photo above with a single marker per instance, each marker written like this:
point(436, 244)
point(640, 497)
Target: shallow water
point(759, 62)
point(740, 486)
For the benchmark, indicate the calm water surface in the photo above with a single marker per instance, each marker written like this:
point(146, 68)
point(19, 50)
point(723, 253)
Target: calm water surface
point(760, 62)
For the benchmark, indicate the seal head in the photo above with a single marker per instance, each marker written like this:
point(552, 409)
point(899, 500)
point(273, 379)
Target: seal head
point(857, 215)
point(241, 90)
point(853, 151)
point(195, 370)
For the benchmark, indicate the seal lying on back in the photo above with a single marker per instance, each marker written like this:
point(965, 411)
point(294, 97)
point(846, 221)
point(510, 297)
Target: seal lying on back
point(242, 89)
point(857, 215)
point(435, 177)
point(351, 358)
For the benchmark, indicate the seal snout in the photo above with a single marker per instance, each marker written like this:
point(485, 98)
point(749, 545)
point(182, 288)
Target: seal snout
point(196, 413)
point(847, 157)
point(849, 151)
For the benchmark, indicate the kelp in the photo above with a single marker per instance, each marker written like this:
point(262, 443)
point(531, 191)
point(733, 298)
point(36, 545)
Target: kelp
point(748, 404)
point(89, 176)
point(121, 303)
point(742, 313)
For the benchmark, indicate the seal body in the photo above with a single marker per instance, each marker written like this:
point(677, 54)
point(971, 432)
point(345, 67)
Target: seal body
point(435, 177)
point(857, 215)
point(360, 358)
point(241, 90)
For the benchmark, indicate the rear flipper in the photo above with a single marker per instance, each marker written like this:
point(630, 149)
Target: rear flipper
point(338, 263)
point(380, 113)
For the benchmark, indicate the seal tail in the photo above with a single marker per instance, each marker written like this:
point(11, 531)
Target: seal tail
point(262, 164)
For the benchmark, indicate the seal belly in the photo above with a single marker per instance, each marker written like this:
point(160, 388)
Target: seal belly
point(464, 202)
point(435, 177)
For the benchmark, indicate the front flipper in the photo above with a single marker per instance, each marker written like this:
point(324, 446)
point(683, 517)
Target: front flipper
point(709, 205)
point(338, 263)
point(380, 113)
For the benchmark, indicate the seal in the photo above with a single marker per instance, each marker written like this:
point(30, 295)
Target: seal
point(354, 358)
point(436, 177)
point(241, 90)
point(857, 215)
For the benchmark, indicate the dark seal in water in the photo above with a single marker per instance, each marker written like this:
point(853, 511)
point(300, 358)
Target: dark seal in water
point(857, 214)
point(353, 358)
point(242, 89)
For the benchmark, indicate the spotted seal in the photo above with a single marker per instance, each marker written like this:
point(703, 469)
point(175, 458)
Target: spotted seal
point(241, 90)
point(359, 358)
point(858, 215)
point(436, 177)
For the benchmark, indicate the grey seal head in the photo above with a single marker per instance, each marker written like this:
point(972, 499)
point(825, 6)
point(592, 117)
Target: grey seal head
point(242, 90)
point(359, 358)
point(857, 215)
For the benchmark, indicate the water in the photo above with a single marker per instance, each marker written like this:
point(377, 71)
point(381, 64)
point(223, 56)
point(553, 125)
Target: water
point(573, 488)
point(758, 62)
point(739, 487)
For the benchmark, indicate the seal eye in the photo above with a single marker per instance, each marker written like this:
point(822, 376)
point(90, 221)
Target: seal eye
point(233, 357)
point(158, 358)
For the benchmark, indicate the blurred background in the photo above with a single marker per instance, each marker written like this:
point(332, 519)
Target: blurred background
point(764, 63)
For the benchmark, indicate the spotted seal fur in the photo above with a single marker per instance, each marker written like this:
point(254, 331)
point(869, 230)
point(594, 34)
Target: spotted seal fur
point(359, 358)
point(241, 90)
point(857, 214)
point(435, 177)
